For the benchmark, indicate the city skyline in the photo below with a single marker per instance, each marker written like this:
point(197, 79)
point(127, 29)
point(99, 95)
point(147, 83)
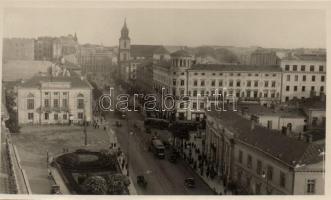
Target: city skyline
point(184, 27)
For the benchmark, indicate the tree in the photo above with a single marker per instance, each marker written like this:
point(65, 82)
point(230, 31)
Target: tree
point(95, 185)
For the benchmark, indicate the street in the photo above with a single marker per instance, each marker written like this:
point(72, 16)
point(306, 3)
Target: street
point(163, 177)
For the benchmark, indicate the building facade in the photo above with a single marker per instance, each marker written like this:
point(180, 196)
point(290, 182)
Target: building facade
point(60, 98)
point(244, 83)
point(18, 49)
point(264, 57)
point(258, 160)
point(304, 76)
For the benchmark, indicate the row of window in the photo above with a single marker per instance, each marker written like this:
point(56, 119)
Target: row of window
point(31, 103)
point(233, 74)
point(231, 83)
point(303, 68)
point(55, 93)
point(303, 88)
point(304, 78)
point(55, 116)
point(267, 173)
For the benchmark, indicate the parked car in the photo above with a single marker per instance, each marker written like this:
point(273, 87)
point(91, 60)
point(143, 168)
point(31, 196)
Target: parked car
point(141, 181)
point(189, 182)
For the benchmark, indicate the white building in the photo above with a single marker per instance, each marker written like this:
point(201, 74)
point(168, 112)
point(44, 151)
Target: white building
point(60, 98)
point(303, 76)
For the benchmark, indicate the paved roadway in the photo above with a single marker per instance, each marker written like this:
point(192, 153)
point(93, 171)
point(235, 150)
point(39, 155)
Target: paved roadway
point(163, 177)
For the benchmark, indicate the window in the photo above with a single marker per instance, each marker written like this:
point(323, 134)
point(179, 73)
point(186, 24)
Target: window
point(295, 88)
point(202, 92)
point(313, 78)
point(259, 167)
point(221, 74)
point(240, 157)
point(65, 116)
point(202, 74)
point(182, 73)
point(312, 88)
point(182, 82)
point(80, 103)
point(312, 68)
point(238, 74)
point(80, 115)
point(304, 78)
point(266, 83)
point(249, 74)
point(56, 116)
point(195, 83)
point(311, 183)
point(231, 83)
point(270, 171)
point(273, 84)
point(295, 67)
point(249, 83)
point(322, 78)
point(213, 83)
point(287, 67)
point(30, 116)
point(322, 89)
point(174, 82)
point(30, 103)
point(269, 124)
point(256, 83)
point(182, 91)
point(256, 74)
point(213, 74)
point(287, 88)
point(56, 93)
point(194, 105)
point(46, 93)
point(287, 98)
point(202, 105)
point(238, 83)
point(303, 68)
point(303, 88)
point(274, 75)
point(266, 75)
point(220, 83)
point(249, 161)
point(46, 116)
point(321, 68)
point(202, 83)
point(64, 103)
point(195, 92)
point(65, 93)
point(288, 78)
point(231, 74)
point(282, 179)
point(56, 103)
point(46, 102)
point(296, 78)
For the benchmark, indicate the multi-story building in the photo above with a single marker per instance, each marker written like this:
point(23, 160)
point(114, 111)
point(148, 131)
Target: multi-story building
point(65, 45)
point(43, 48)
point(61, 97)
point(264, 57)
point(246, 83)
point(258, 160)
point(18, 49)
point(304, 76)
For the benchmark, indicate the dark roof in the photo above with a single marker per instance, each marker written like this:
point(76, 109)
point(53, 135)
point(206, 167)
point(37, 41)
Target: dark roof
point(146, 50)
point(74, 79)
point(181, 53)
point(236, 67)
point(314, 57)
point(289, 150)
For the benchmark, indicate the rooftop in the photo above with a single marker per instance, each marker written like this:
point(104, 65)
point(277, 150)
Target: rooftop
point(236, 67)
point(311, 57)
point(289, 150)
point(74, 79)
point(181, 53)
point(146, 50)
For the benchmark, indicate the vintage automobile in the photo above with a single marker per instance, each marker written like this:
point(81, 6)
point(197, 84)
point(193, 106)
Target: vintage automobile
point(189, 182)
point(141, 181)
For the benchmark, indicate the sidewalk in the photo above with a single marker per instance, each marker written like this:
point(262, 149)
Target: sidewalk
point(216, 183)
point(131, 188)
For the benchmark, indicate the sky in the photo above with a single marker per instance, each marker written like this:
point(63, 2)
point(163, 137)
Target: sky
point(290, 28)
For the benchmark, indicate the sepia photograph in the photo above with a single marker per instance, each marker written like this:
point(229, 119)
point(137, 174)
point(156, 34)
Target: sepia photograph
point(163, 100)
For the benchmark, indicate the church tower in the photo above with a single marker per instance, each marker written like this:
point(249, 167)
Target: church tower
point(124, 45)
